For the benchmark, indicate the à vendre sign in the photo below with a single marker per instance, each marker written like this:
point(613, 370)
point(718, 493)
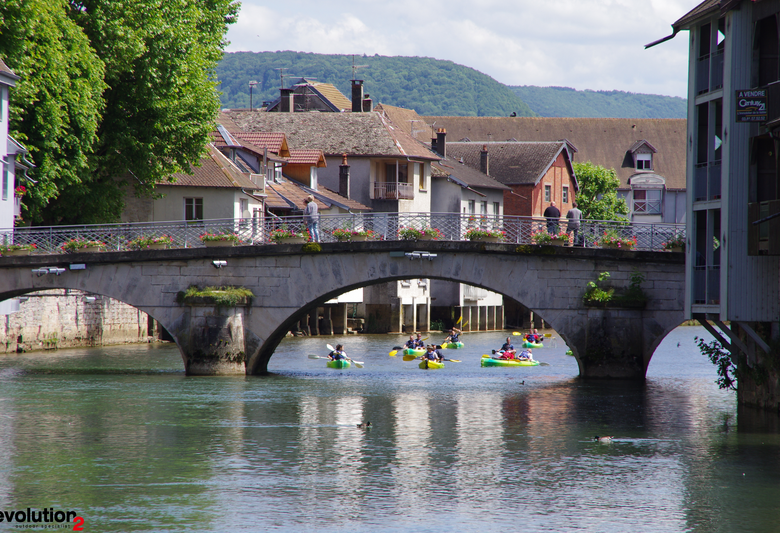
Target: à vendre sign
point(751, 105)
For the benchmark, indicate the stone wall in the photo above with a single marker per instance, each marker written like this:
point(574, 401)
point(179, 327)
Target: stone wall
point(64, 318)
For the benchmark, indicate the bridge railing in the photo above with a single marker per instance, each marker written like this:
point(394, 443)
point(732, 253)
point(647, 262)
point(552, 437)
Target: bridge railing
point(382, 226)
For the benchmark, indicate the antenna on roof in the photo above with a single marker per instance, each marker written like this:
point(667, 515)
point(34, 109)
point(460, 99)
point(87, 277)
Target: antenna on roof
point(414, 131)
point(282, 75)
point(355, 67)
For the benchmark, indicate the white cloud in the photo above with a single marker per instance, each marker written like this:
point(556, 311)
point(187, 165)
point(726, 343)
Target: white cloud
point(585, 44)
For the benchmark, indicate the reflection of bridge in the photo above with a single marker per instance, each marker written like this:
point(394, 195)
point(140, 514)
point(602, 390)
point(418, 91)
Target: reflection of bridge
point(288, 282)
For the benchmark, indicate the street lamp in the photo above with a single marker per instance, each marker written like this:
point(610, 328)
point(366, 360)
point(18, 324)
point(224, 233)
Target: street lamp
point(251, 86)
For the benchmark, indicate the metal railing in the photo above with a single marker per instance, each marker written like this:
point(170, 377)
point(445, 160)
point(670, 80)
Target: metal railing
point(382, 226)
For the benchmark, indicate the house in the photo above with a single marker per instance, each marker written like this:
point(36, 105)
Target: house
point(217, 189)
point(372, 162)
point(733, 206)
point(648, 155)
point(307, 95)
point(14, 164)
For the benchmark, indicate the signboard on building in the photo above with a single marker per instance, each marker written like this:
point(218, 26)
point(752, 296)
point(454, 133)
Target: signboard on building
point(751, 105)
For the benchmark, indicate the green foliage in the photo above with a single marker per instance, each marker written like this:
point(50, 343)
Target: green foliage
point(430, 86)
point(597, 196)
point(567, 102)
point(727, 370)
point(112, 93)
point(311, 248)
point(437, 325)
point(594, 293)
point(221, 296)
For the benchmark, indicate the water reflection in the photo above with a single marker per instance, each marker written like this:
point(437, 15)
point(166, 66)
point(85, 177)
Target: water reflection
point(463, 448)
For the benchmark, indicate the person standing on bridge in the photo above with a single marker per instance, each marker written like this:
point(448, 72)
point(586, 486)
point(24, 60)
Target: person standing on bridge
point(312, 218)
point(574, 215)
point(553, 215)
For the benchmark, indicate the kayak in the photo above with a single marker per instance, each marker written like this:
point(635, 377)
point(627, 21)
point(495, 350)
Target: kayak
point(527, 344)
point(414, 351)
point(424, 364)
point(569, 352)
point(452, 345)
point(489, 361)
point(339, 363)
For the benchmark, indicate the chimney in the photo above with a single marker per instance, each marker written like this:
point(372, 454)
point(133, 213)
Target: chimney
point(441, 145)
point(484, 164)
point(433, 145)
point(357, 96)
point(368, 104)
point(344, 177)
point(288, 101)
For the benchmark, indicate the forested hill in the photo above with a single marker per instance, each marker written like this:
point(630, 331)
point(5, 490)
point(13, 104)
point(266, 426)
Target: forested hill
point(429, 86)
point(567, 102)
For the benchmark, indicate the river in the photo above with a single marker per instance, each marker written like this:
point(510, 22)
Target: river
point(122, 438)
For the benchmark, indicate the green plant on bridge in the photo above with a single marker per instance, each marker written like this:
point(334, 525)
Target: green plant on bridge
point(594, 293)
point(221, 296)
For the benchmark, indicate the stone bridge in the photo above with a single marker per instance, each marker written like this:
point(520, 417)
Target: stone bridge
point(608, 342)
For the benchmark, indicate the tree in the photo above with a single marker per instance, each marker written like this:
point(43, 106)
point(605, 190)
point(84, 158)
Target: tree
point(135, 100)
point(597, 195)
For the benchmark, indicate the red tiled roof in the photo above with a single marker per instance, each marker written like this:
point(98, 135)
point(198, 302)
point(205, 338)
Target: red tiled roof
point(215, 170)
point(307, 157)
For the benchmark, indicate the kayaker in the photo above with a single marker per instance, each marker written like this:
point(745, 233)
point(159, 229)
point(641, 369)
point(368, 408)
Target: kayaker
point(338, 353)
point(453, 336)
point(526, 355)
point(432, 354)
point(419, 342)
point(508, 350)
point(411, 343)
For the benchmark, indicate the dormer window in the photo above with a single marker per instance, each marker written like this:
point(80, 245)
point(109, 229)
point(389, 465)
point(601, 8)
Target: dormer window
point(644, 161)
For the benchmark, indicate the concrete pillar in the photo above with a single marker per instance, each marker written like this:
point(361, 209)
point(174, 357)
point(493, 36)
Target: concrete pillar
point(610, 343)
point(491, 317)
point(482, 313)
point(314, 327)
point(212, 339)
point(326, 327)
point(396, 316)
point(339, 319)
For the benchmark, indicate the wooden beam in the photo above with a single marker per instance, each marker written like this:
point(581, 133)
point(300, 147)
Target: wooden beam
point(736, 341)
point(755, 336)
point(718, 337)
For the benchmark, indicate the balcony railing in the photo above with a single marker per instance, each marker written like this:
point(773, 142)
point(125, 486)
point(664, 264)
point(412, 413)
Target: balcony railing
point(647, 207)
point(393, 191)
point(706, 181)
point(384, 226)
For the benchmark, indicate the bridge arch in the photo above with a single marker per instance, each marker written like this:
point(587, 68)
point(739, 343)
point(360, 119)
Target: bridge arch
point(285, 280)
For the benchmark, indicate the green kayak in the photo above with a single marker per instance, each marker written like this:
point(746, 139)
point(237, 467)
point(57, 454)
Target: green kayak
point(417, 352)
point(339, 363)
point(489, 361)
point(452, 345)
point(426, 364)
point(527, 344)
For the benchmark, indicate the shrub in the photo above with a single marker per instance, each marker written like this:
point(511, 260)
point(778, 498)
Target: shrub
point(143, 241)
point(409, 234)
point(678, 241)
point(5, 248)
point(281, 234)
point(221, 236)
point(612, 237)
point(473, 234)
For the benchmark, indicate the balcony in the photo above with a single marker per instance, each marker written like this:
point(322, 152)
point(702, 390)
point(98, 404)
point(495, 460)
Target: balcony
point(393, 191)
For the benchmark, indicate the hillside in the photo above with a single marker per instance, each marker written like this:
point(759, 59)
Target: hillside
point(567, 102)
point(430, 86)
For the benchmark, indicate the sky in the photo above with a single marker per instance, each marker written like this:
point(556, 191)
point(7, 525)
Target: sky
point(584, 44)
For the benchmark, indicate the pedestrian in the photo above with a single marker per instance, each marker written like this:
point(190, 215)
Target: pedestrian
point(574, 215)
point(312, 218)
point(553, 215)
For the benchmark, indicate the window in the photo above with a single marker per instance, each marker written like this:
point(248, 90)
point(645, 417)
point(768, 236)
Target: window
point(547, 193)
point(644, 161)
point(193, 209)
point(565, 197)
point(243, 208)
point(483, 208)
point(403, 176)
point(496, 208)
point(472, 206)
point(647, 202)
point(421, 169)
point(5, 181)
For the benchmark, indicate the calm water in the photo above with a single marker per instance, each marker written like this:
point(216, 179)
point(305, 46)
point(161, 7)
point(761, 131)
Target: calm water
point(121, 436)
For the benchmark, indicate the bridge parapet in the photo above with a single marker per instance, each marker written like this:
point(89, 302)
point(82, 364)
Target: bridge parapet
point(353, 227)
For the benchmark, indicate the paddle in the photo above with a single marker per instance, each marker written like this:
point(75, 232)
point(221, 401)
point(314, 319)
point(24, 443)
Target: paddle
point(358, 364)
point(395, 350)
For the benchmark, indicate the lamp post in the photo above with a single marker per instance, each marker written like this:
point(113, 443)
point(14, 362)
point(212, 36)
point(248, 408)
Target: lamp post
point(251, 86)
